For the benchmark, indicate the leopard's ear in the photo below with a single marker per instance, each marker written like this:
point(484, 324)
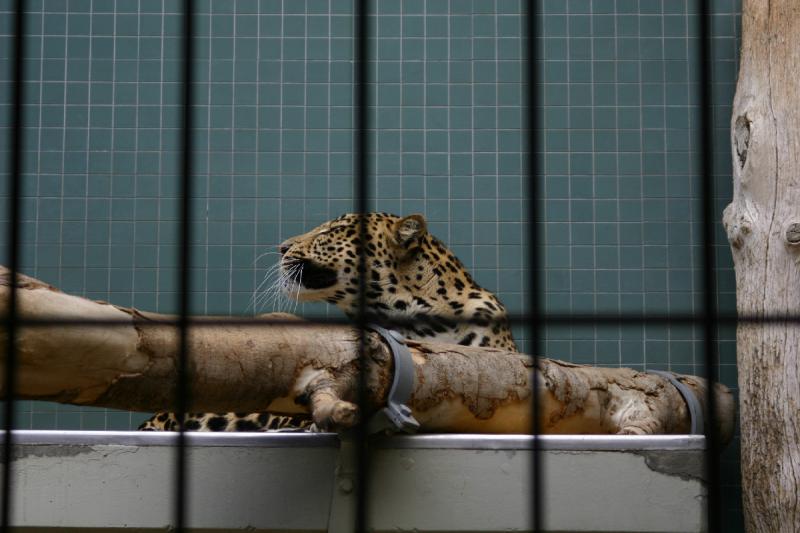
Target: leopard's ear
point(408, 230)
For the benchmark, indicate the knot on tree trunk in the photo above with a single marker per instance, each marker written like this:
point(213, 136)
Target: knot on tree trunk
point(738, 225)
point(793, 236)
point(741, 138)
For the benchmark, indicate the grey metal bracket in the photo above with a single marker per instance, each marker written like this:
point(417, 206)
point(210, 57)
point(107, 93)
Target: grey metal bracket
point(695, 409)
point(396, 416)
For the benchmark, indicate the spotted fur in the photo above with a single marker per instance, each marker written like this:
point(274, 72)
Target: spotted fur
point(413, 284)
point(226, 422)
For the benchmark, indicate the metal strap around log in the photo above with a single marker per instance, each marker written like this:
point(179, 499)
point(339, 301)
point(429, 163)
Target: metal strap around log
point(692, 402)
point(396, 416)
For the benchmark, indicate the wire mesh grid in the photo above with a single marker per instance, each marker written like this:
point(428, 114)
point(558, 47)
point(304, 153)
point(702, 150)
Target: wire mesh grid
point(532, 314)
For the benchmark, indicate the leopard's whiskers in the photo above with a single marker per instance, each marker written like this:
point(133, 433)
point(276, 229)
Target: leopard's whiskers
point(268, 296)
point(257, 294)
point(277, 298)
point(297, 280)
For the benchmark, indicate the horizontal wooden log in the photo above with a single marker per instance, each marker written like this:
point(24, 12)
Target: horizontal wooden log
point(283, 365)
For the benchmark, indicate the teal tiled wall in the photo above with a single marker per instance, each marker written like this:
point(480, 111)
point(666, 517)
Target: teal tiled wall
point(273, 156)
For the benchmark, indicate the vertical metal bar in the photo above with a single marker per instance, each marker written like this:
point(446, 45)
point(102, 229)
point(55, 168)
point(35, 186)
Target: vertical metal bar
point(183, 391)
point(534, 309)
point(708, 265)
point(361, 193)
point(13, 236)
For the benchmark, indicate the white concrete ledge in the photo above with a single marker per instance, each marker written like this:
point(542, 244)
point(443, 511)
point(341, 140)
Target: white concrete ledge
point(113, 481)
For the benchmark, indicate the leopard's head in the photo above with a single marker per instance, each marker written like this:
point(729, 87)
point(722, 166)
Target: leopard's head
point(409, 275)
point(323, 263)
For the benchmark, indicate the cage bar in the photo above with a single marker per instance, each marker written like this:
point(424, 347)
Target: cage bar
point(709, 308)
point(13, 236)
point(534, 309)
point(361, 185)
point(183, 392)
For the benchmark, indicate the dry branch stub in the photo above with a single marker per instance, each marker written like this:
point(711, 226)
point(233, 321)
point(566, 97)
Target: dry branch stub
point(288, 366)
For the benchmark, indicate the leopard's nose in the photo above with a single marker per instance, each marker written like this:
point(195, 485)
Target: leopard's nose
point(284, 247)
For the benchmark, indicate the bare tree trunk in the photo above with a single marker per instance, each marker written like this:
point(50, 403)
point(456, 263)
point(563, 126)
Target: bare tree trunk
point(296, 367)
point(763, 226)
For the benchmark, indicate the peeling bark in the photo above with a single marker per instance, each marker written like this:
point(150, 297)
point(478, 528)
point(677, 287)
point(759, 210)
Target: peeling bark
point(763, 226)
point(291, 367)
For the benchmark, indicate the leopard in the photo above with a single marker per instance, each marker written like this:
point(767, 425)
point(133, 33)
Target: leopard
point(413, 284)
